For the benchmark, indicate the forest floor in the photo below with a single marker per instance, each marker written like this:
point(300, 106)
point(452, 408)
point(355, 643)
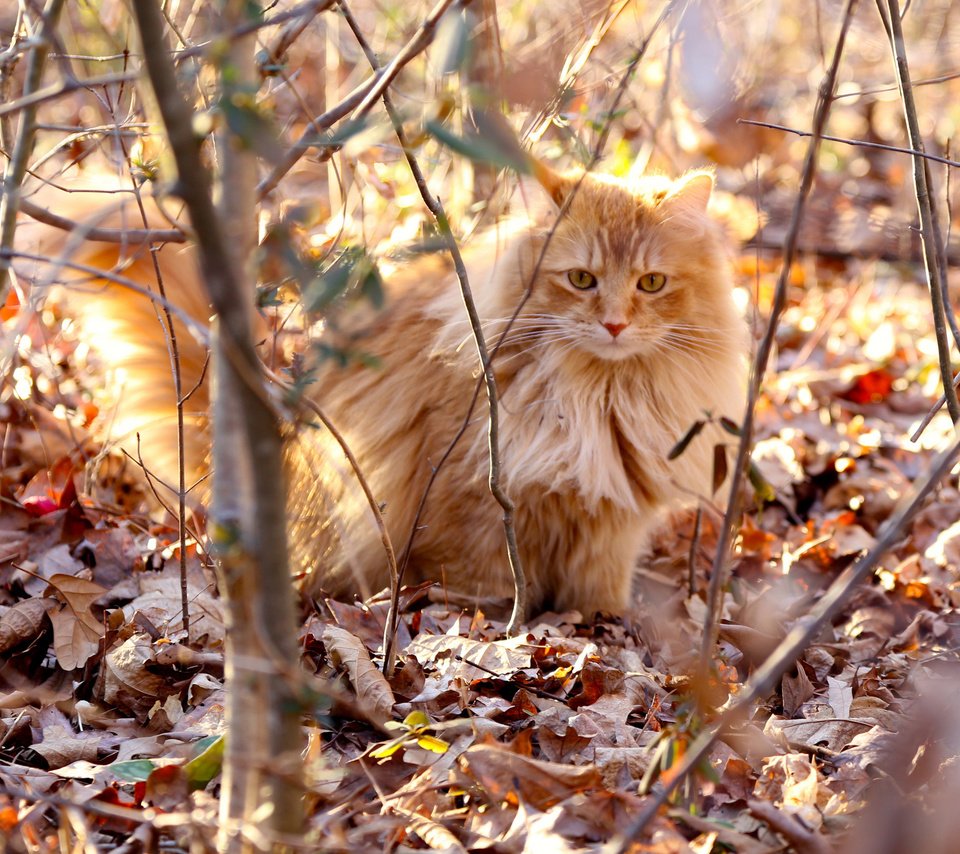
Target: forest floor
point(547, 741)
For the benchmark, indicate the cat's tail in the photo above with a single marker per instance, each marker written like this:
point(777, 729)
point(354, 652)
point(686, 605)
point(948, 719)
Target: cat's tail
point(113, 290)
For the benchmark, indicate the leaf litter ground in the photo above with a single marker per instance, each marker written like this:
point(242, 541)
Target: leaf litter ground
point(111, 714)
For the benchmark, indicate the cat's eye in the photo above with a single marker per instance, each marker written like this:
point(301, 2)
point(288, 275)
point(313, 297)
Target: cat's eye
point(652, 282)
point(582, 279)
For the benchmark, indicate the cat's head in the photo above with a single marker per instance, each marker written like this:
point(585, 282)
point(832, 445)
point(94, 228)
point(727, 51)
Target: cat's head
point(631, 268)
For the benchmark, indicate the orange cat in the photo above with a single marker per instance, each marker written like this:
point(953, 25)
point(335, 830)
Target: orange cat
point(630, 334)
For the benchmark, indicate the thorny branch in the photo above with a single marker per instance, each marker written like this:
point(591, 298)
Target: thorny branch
point(719, 571)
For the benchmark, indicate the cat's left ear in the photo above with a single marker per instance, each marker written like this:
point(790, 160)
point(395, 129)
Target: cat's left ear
point(556, 185)
point(692, 191)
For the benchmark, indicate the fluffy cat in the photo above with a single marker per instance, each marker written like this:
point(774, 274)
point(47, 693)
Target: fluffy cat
point(628, 336)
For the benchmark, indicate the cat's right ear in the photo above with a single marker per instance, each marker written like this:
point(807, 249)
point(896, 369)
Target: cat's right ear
point(557, 187)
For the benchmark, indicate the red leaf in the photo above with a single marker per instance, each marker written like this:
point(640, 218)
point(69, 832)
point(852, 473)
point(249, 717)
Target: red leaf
point(871, 387)
point(51, 489)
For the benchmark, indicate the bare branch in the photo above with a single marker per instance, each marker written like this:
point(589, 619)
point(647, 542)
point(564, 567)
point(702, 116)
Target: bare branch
point(17, 165)
point(930, 236)
point(360, 101)
point(731, 517)
point(797, 640)
point(103, 235)
point(435, 207)
point(859, 143)
point(58, 90)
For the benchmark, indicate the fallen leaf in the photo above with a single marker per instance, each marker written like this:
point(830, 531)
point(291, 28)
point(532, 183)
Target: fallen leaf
point(76, 631)
point(507, 776)
point(373, 691)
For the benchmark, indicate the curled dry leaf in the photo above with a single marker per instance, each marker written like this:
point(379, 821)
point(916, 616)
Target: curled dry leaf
point(22, 623)
point(76, 631)
point(373, 691)
point(126, 679)
point(508, 776)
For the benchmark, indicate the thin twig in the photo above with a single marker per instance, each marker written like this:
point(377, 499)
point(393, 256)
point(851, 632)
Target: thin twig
point(528, 291)
point(17, 165)
point(931, 238)
point(96, 273)
point(176, 367)
point(731, 517)
point(435, 207)
point(858, 143)
point(692, 553)
point(58, 90)
point(572, 66)
point(103, 235)
point(360, 101)
point(341, 440)
point(792, 646)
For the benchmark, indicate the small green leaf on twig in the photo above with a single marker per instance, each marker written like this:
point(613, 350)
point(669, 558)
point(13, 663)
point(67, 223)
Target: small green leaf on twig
point(452, 41)
point(764, 491)
point(730, 426)
point(412, 732)
point(686, 439)
point(484, 149)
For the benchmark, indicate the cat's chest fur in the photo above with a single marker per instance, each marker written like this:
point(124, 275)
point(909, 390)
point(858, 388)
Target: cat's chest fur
point(598, 432)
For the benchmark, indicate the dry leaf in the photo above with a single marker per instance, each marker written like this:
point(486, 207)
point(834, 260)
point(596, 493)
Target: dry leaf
point(373, 691)
point(76, 631)
point(22, 623)
point(507, 776)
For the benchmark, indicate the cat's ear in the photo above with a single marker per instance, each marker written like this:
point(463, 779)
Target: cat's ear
point(692, 191)
point(557, 186)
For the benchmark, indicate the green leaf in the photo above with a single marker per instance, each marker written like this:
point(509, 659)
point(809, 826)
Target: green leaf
point(204, 767)
point(452, 41)
point(686, 439)
point(132, 770)
point(730, 426)
point(764, 491)
point(353, 270)
point(347, 130)
point(252, 127)
point(484, 149)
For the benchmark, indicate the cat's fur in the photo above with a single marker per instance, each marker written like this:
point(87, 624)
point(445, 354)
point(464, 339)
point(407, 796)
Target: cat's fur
point(587, 417)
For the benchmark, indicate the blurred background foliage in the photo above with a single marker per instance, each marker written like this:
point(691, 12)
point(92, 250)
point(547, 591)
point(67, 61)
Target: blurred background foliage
point(552, 71)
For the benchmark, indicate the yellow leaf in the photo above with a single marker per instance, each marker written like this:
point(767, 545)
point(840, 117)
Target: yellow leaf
point(385, 751)
point(416, 720)
point(429, 742)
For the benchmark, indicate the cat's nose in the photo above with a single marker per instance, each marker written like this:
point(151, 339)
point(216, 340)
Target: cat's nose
point(614, 328)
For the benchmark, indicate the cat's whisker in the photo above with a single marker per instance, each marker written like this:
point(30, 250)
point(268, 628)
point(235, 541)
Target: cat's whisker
point(694, 344)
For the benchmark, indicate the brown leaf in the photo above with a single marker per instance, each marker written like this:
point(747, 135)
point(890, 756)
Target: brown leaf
point(797, 689)
point(76, 631)
point(126, 681)
point(373, 691)
point(499, 658)
point(22, 623)
point(510, 777)
point(563, 747)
